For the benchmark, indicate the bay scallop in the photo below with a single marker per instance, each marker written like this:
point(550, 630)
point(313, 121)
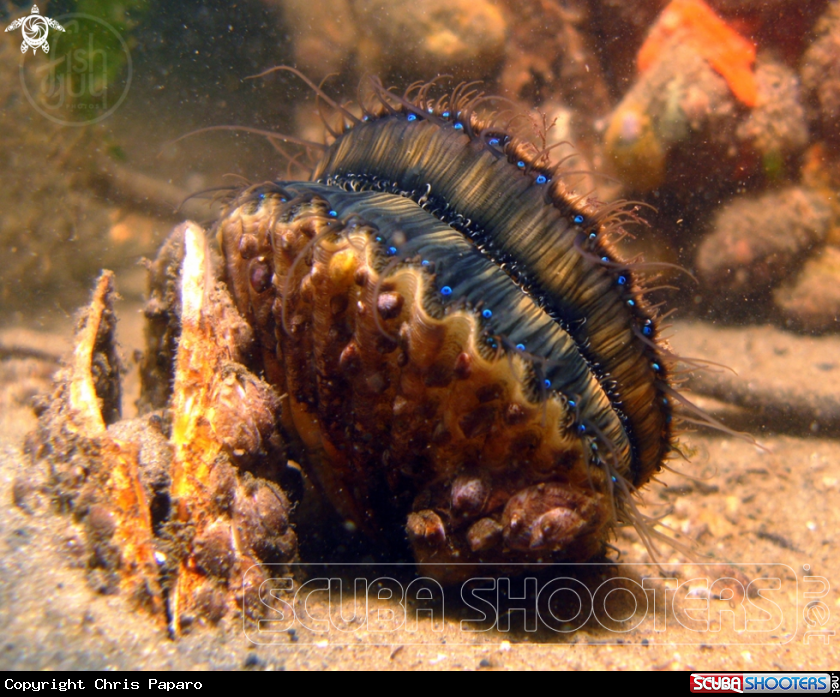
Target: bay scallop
point(464, 358)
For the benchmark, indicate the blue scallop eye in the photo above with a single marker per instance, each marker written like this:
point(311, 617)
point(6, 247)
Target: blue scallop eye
point(445, 114)
point(647, 331)
point(520, 164)
point(631, 303)
point(493, 141)
point(491, 342)
point(431, 110)
point(446, 290)
point(458, 126)
point(520, 347)
point(655, 366)
point(541, 179)
point(547, 383)
point(487, 314)
point(333, 214)
point(593, 235)
point(582, 428)
point(578, 219)
point(425, 262)
point(379, 238)
point(572, 403)
point(606, 259)
point(622, 280)
point(392, 251)
point(261, 196)
point(411, 117)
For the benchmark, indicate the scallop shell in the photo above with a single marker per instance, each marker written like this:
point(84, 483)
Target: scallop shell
point(463, 357)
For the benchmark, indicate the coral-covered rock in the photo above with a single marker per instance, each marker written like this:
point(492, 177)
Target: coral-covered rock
point(821, 74)
point(324, 34)
point(700, 113)
point(776, 128)
point(678, 102)
point(462, 38)
point(754, 242)
point(551, 55)
point(694, 24)
point(811, 300)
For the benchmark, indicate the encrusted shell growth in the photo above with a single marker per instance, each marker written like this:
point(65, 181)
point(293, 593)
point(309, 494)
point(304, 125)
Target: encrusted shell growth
point(457, 346)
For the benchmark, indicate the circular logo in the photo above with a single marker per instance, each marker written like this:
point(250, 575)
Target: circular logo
point(81, 74)
point(35, 30)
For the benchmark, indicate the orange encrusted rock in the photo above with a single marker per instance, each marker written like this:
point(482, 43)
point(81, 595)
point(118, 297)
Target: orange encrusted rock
point(694, 22)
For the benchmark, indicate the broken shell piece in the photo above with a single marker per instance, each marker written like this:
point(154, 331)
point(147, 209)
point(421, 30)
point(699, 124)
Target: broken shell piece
point(194, 520)
point(220, 412)
point(92, 474)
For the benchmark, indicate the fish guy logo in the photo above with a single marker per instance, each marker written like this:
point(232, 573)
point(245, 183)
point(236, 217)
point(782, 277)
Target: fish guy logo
point(36, 29)
point(83, 70)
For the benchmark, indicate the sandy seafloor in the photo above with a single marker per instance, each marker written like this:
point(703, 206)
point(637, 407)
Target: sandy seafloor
point(774, 511)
